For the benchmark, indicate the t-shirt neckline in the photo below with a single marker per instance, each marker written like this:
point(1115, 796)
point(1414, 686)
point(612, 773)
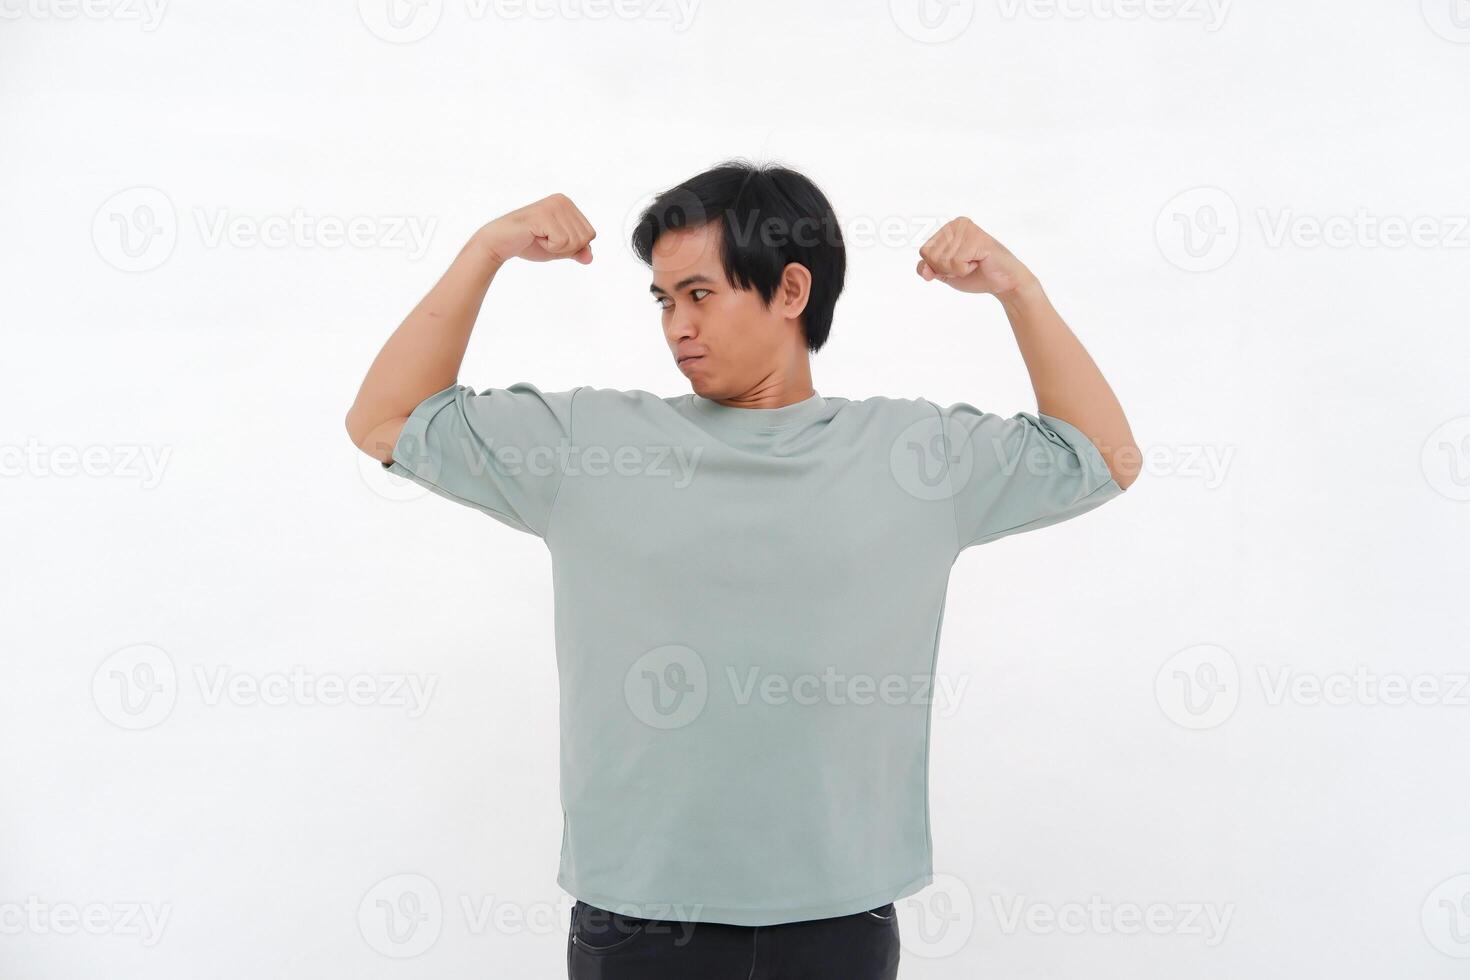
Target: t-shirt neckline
point(758, 418)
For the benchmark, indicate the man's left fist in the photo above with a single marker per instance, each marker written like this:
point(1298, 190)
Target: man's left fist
point(964, 256)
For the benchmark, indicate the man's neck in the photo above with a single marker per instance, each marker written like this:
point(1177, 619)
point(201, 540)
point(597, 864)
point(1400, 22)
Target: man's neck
point(776, 390)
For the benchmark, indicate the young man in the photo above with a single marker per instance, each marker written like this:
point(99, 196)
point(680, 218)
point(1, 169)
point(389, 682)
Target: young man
point(749, 577)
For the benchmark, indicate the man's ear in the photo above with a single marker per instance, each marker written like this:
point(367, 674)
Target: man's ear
point(795, 289)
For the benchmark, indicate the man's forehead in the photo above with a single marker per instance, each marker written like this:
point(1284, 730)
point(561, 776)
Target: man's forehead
point(686, 256)
point(683, 282)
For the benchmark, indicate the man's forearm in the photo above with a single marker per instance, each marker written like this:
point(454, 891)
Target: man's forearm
point(425, 353)
point(1067, 382)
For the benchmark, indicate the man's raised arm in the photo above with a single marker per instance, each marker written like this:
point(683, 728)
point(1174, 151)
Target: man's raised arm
point(1068, 384)
point(424, 354)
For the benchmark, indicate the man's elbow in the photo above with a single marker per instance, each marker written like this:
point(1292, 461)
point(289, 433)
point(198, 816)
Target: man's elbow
point(375, 439)
point(1125, 465)
point(356, 431)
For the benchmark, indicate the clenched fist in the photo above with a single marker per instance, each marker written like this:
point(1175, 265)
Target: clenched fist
point(965, 256)
point(551, 228)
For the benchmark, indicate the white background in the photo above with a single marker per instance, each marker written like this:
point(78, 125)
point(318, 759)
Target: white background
point(1302, 515)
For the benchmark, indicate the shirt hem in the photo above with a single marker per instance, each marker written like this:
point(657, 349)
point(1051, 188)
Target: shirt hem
point(733, 915)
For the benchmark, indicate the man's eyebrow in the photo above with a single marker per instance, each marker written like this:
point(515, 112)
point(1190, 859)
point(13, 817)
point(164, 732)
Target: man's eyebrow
point(686, 281)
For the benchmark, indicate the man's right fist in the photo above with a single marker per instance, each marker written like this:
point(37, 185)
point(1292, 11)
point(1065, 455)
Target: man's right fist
point(552, 228)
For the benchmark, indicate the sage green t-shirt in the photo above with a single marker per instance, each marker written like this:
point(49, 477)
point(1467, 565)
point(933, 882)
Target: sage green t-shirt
point(748, 606)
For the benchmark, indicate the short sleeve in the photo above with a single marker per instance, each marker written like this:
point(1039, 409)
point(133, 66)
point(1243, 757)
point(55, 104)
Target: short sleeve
point(1009, 475)
point(502, 451)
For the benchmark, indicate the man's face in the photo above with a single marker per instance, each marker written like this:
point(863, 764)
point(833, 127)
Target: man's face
point(724, 339)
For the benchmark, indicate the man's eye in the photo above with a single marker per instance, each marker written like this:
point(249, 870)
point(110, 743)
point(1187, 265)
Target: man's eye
point(698, 298)
point(660, 302)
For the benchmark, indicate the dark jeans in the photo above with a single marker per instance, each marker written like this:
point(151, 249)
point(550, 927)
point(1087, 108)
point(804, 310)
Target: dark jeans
point(603, 945)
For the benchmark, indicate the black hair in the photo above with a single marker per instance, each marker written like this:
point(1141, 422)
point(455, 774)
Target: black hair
point(770, 216)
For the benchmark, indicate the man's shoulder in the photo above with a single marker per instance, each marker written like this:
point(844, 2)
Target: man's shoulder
point(640, 400)
point(890, 406)
point(626, 398)
point(890, 403)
